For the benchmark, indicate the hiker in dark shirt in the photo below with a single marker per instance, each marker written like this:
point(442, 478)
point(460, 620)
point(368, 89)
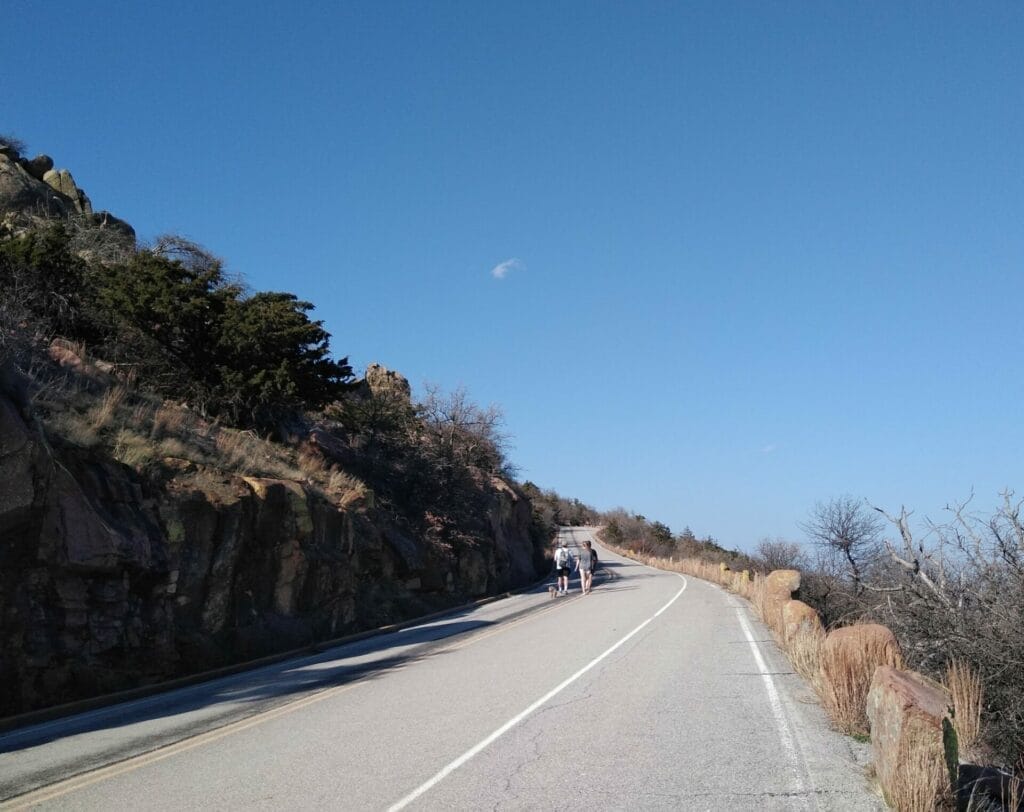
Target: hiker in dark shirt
point(585, 567)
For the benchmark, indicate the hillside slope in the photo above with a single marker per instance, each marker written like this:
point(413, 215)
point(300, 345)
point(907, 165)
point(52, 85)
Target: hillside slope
point(142, 539)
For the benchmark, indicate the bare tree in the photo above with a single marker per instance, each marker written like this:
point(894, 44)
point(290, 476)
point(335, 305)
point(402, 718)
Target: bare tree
point(465, 432)
point(850, 531)
point(958, 593)
point(780, 554)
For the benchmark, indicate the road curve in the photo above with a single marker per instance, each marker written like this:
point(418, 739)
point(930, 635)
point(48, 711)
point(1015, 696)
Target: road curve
point(653, 692)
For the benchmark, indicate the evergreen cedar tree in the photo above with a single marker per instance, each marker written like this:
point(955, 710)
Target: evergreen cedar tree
point(189, 332)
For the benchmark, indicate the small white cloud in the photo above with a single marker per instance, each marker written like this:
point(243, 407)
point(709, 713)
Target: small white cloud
point(501, 270)
point(768, 449)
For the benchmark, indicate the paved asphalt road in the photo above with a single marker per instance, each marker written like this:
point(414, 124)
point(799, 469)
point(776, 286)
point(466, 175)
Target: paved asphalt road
point(653, 692)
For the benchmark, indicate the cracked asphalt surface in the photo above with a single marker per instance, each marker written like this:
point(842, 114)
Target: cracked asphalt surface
point(677, 717)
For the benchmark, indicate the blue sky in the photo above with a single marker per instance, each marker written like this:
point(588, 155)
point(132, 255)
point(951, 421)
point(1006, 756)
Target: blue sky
point(756, 255)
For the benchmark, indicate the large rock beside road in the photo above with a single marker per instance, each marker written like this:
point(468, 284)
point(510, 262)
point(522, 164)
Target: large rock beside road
point(797, 615)
point(907, 712)
point(779, 588)
point(849, 657)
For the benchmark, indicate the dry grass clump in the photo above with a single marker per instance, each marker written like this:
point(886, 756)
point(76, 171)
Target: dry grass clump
point(106, 410)
point(804, 649)
point(921, 781)
point(236, 450)
point(846, 672)
point(759, 598)
point(133, 449)
point(964, 685)
point(1014, 795)
point(346, 489)
point(170, 420)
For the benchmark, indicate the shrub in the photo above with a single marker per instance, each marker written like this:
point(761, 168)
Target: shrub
point(12, 141)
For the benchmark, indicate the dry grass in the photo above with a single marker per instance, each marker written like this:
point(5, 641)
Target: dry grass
point(1014, 795)
point(921, 781)
point(133, 449)
point(964, 685)
point(140, 430)
point(804, 650)
point(759, 598)
point(104, 412)
point(168, 419)
point(846, 673)
point(237, 450)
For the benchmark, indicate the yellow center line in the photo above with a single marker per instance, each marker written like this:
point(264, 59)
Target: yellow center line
point(86, 779)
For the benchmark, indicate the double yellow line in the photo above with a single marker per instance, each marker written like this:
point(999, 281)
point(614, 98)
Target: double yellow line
point(79, 782)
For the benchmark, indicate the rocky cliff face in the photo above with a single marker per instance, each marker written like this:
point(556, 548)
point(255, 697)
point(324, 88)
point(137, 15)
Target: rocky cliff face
point(109, 580)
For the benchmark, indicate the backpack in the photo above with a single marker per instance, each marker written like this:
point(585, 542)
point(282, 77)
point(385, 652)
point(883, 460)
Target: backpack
point(561, 557)
point(593, 559)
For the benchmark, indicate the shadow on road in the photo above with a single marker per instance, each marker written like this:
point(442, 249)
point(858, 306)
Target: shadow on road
point(251, 692)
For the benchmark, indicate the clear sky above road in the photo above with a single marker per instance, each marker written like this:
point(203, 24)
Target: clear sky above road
point(716, 261)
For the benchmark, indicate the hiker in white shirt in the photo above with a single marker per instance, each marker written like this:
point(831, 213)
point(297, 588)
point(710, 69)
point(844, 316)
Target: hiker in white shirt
point(563, 563)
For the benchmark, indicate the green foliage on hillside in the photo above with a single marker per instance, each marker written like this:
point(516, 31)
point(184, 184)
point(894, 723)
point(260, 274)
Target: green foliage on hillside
point(42, 282)
point(186, 331)
point(175, 325)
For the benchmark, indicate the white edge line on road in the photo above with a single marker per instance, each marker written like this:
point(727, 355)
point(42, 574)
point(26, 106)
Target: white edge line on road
point(786, 735)
point(511, 723)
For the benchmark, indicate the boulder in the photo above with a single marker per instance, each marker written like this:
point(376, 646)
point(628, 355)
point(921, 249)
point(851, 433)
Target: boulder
point(796, 615)
point(38, 166)
point(873, 639)
point(20, 192)
point(382, 381)
point(509, 514)
point(907, 712)
point(779, 588)
point(67, 355)
point(783, 581)
point(849, 657)
point(407, 551)
point(60, 180)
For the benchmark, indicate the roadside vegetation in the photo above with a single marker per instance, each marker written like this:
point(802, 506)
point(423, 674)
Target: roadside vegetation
point(954, 598)
point(157, 357)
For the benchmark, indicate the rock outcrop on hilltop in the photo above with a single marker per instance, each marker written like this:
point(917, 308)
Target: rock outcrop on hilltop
point(32, 190)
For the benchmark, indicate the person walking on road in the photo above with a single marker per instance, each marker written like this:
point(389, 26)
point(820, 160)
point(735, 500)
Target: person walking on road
point(585, 567)
point(563, 561)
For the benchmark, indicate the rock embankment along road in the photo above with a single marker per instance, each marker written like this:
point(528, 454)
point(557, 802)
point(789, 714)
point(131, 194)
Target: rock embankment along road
point(653, 692)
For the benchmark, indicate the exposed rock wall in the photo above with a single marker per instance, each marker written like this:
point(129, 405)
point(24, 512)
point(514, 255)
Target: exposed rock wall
point(108, 580)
